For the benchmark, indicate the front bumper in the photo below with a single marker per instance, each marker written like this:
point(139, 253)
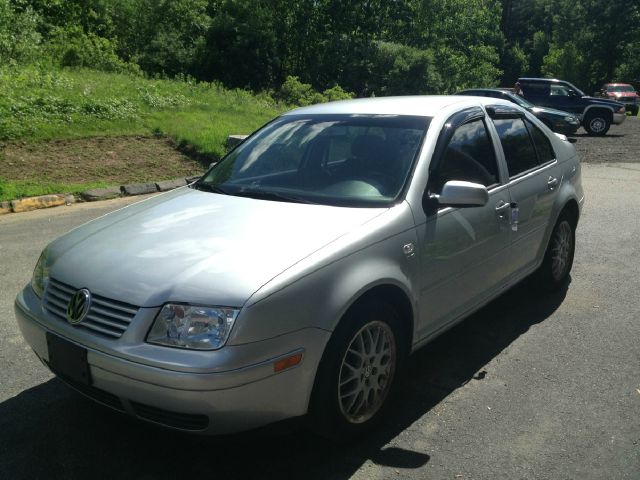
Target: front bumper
point(219, 402)
point(567, 128)
point(618, 118)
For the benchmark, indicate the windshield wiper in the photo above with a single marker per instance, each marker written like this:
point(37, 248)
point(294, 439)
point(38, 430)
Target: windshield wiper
point(265, 195)
point(208, 187)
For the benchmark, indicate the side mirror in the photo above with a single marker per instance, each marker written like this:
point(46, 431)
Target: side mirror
point(457, 193)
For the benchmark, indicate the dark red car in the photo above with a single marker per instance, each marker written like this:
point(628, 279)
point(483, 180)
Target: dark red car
point(623, 93)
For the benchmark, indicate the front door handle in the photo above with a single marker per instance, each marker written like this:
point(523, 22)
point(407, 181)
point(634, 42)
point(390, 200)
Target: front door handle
point(552, 183)
point(501, 208)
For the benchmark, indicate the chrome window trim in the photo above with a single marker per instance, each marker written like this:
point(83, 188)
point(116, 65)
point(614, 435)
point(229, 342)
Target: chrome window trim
point(532, 171)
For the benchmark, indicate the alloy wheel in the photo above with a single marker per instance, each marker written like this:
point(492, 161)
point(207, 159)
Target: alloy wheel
point(367, 372)
point(597, 124)
point(561, 250)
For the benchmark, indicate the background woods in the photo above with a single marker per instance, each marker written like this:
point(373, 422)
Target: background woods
point(368, 47)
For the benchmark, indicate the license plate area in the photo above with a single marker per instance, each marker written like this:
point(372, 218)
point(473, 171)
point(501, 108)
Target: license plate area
point(68, 359)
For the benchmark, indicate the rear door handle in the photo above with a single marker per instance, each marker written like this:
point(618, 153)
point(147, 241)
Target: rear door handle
point(552, 183)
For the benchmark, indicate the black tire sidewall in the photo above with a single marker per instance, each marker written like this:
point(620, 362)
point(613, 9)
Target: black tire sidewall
point(590, 117)
point(545, 273)
point(325, 416)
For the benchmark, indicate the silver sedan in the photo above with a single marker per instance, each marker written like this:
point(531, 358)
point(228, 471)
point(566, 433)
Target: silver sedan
point(296, 277)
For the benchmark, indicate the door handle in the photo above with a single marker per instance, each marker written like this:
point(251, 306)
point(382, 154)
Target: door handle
point(552, 183)
point(502, 207)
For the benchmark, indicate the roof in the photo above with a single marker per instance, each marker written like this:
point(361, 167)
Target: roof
point(426, 105)
point(618, 84)
point(539, 79)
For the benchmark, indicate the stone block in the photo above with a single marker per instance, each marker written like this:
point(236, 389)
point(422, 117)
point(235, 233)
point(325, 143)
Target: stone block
point(233, 140)
point(139, 188)
point(34, 203)
point(5, 207)
point(100, 194)
point(166, 185)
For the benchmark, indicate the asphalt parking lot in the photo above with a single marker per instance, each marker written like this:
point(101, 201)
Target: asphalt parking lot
point(530, 387)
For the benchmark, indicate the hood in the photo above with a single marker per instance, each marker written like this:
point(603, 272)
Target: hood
point(196, 247)
point(552, 111)
point(622, 95)
point(603, 101)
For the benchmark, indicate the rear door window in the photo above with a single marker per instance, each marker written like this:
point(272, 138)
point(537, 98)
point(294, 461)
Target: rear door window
point(535, 88)
point(519, 152)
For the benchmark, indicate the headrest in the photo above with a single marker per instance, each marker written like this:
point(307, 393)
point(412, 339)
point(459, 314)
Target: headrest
point(368, 146)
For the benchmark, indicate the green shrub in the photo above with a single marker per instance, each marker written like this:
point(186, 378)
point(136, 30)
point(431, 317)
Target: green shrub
point(336, 93)
point(74, 48)
point(294, 92)
point(401, 70)
point(19, 38)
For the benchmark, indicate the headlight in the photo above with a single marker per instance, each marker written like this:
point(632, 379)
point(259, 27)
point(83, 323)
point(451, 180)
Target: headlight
point(194, 327)
point(570, 119)
point(40, 274)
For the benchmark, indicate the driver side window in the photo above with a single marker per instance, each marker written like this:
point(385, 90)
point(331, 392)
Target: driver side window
point(469, 156)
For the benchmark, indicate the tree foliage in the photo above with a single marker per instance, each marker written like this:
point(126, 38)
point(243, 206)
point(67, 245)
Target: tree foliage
point(368, 47)
point(588, 42)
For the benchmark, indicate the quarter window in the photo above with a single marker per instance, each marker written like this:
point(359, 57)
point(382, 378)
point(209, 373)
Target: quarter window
point(543, 146)
point(535, 88)
point(518, 149)
point(469, 156)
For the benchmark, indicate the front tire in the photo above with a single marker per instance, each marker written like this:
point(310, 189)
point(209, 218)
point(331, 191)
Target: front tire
point(558, 259)
point(597, 123)
point(357, 372)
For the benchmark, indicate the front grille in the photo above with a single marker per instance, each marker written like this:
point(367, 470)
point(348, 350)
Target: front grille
point(106, 317)
point(183, 421)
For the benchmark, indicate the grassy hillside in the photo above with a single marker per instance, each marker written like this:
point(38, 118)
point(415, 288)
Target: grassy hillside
point(39, 105)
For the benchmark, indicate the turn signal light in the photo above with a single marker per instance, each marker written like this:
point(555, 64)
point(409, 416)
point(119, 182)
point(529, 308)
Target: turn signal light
point(288, 362)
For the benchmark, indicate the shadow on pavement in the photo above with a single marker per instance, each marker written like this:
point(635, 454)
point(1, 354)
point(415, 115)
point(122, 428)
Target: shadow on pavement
point(51, 432)
point(607, 135)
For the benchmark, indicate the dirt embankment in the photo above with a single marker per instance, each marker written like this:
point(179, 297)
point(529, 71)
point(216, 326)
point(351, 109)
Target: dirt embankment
point(117, 160)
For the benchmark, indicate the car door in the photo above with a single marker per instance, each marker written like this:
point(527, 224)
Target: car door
point(563, 97)
point(534, 181)
point(463, 251)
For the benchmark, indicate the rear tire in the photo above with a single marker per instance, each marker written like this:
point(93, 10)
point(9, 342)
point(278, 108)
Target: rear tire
point(597, 123)
point(558, 259)
point(357, 372)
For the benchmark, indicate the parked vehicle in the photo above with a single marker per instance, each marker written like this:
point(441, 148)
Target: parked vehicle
point(596, 114)
point(557, 120)
point(297, 275)
point(623, 93)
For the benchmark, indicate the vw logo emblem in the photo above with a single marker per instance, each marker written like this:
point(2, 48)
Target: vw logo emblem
point(79, 306)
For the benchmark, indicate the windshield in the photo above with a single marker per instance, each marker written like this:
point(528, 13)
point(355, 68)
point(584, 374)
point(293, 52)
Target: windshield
point(352, 160)
point(620, 88)
point(520, 101)
point(580, 92)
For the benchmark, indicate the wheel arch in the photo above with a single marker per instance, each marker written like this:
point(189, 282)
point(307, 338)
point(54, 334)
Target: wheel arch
point(572, 209)
point(397, 298)
point(595, 108)
point(569, 206)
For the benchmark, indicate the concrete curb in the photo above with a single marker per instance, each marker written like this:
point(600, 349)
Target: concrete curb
point(233, 140)
point(95, 194)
